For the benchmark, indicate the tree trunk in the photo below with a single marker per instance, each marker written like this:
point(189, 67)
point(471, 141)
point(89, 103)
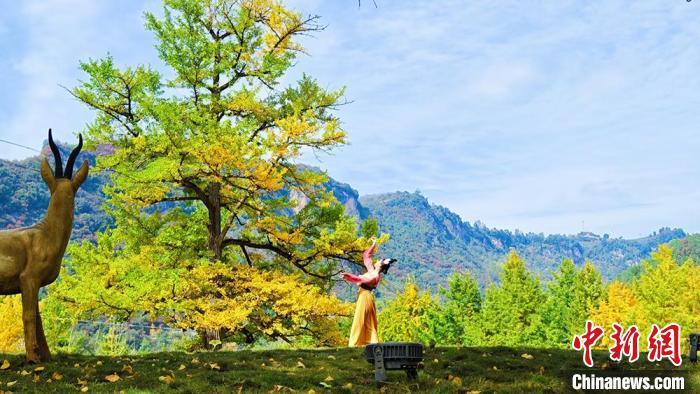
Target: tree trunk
point(214, 207)
point(205, 339)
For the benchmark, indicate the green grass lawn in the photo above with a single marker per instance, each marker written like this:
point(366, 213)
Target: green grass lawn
point(338, 370)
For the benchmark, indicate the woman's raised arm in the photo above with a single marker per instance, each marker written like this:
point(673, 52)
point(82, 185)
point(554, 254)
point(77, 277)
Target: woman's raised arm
point(367, 256)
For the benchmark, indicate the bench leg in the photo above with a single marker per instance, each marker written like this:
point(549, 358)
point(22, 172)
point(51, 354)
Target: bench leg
point(694, 347)
point(411, 374)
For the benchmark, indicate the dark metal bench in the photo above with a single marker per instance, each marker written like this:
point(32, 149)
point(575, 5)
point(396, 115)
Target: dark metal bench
point(694, 339)
point(394, 356)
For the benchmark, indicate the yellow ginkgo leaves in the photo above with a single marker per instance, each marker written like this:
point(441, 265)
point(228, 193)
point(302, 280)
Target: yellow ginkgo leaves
point(167, 379)
point(113, 378)
point(12, 332)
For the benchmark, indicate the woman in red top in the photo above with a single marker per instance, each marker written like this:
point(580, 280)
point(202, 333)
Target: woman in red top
point(364, 324)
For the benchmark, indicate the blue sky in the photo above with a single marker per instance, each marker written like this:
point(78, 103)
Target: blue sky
point(542, 116)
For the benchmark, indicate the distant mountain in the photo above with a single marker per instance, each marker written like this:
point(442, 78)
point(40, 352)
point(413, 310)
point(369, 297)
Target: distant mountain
point(430, 241)
point(24, 196)
point(684, 249)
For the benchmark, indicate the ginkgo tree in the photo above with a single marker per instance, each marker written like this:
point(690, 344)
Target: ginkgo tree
point(211, 205)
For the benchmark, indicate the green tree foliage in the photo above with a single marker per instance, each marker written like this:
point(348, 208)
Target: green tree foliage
point(570, 297)
point(558, 318)
point(460, 301)
point(683, 249)
point(406, 317)
point(588, 289)
point(510, 314)
point(209, 203)
point(686, 248)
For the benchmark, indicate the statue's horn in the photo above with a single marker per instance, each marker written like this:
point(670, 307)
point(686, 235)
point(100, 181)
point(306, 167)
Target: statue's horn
point(73, 156)
point(58, 168)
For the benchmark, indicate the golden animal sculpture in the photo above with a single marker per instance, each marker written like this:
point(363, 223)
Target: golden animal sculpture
point(30, 257)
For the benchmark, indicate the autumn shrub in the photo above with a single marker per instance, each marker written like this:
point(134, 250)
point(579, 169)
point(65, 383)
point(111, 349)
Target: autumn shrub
point(11, 329)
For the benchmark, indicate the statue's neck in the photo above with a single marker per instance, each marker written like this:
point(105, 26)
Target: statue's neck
point(58, 221)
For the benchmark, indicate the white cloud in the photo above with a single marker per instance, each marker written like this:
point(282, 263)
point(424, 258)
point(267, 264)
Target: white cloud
point(58, 34)
point(525, 116)
point(501, 80)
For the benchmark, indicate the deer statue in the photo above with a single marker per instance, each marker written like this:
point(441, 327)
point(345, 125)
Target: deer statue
point(30, 257)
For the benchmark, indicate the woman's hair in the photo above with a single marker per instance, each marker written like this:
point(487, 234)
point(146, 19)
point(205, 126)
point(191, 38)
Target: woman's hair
point(386, 264)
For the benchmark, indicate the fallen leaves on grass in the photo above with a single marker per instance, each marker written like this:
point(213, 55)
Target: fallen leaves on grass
point(5, 365)
point(113, 378)
point(167, 379)
point(128, 369)
point(300, 364)
point(39, 369)
point(527, 356)
point(56, 376)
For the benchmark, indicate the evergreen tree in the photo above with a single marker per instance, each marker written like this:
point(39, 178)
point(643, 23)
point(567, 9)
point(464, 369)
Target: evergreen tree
point(460, 301)
point(588, 289)
point(510, 314)
point(558, 315)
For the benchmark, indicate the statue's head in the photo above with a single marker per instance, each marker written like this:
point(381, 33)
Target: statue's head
point(63, 181)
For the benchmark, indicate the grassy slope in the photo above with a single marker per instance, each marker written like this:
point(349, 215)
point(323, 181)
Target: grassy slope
point(279, 370)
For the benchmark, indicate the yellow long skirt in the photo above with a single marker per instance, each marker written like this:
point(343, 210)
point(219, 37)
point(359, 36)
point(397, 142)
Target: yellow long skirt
point(364, 324)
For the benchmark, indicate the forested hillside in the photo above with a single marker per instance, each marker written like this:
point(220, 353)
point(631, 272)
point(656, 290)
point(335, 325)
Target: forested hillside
point(430, 241)
point(24, 196)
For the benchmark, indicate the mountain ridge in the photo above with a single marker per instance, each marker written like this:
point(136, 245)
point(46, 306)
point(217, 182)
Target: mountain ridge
point(416, 225)
point(429, 240)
